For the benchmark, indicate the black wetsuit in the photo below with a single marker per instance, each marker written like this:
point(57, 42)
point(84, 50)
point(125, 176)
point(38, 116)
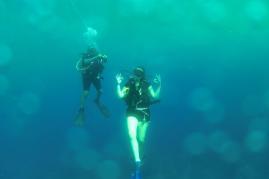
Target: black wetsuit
point(92, 75)
point(138, 100)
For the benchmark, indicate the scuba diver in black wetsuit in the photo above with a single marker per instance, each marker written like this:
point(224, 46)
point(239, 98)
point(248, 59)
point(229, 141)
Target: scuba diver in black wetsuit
point(91, 66)
point(138, 94)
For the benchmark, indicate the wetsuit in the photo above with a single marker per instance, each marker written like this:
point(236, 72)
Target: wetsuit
point(92, 75)
point(138, 100)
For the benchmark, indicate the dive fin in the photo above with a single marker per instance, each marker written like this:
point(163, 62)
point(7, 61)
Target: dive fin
point(136, 175)
point(80, 118)
point(103, 109)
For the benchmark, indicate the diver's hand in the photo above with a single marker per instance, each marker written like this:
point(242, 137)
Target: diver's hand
point(101, 56)
point(119, 78)
point(99, 77)
point(157, 79)
point(104, 56)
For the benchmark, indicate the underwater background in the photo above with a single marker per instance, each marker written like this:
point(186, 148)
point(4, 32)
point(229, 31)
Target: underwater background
point(213, 119)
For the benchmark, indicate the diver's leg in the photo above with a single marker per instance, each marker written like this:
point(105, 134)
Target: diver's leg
point(80, 117)
point(83, 98)
point(142, 131)
point(132, 124)
point(86, 82)
point(99, 91)
point(102, 108)
point(98, 96)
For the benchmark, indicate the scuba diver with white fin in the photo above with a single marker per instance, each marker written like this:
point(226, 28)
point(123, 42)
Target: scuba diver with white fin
point(91, 66)
point(139, 95)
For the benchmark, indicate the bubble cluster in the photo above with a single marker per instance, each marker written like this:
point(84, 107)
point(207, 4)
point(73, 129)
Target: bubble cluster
point(256, 10)
point(217, 141)
point(90, 36)
point(248, 172)
point(78, 138)
point(4, 85)
point(251, 105)
point(40, 9)
point(5, 55)
point(220, 143)
point(256, 141)
point(231, 152)
point(113, 150)
point(86, 158)
point(202, 99)
point(195, 143)
point(127, 7)
point(215, 115)
point(41, 15)
point(108, 169)
point(214, 10)
point(259, 123)
point(29, 103)
point(80, 151)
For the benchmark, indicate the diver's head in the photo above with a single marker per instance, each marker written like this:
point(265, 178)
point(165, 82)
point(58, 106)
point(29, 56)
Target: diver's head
point(91, 52)
point(139, 72)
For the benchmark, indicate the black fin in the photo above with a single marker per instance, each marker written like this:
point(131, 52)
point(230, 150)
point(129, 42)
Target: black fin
point(103, 109)
point(80, 118)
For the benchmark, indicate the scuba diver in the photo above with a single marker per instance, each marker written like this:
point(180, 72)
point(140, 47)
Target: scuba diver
point(139, 95)
point(91, 66)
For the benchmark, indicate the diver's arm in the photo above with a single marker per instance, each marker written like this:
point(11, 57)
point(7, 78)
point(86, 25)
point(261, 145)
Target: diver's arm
point(80, 65)
point(88, 61)
point(100, 72)
point(156, 94)
point(94, 59)
point(120, 91)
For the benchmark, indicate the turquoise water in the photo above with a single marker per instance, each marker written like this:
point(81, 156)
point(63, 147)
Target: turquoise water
point(212, 122)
